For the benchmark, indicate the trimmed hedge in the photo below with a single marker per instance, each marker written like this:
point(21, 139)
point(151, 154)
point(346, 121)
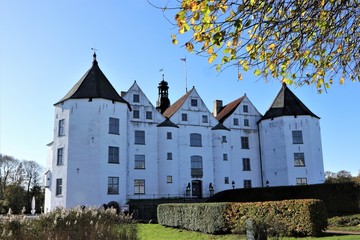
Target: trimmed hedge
point(203, 217)
point(297, 217)
point(305, 217)
point(348, 194)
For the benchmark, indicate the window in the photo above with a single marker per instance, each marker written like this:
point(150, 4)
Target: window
point(299, 159)
point(244, 142)
point(58, 186)
point(139, 186)
point(245, 108)
point(226, 180)
point(139, 161)
point(113, 154)
point(168, 135)
point(169, 156)
point(225, 157)
point(301, 181)
point(194, 102)
point(113, 185)
point(136, 114)
point(236, 121)
point(224, 139)
point(139, 137)
point(246, 122)
point(196, 167)
point(168, 179)
point(136, 98)
point(113, 125)
point(246, 164)
point(247, 183)
point(297, 137)
point(184, 117)
point(195, 140)
point(148, 115)
point(60, 156)
point(204, 119)
point(61, 127)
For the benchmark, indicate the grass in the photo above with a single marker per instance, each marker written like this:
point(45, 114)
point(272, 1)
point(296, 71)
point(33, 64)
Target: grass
point(158, 232)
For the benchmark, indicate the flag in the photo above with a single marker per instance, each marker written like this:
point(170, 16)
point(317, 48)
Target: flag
point(183, 59)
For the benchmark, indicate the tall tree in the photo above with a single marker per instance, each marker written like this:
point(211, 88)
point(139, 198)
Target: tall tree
point(9, 167)
point(32, 180)
point(299, 42)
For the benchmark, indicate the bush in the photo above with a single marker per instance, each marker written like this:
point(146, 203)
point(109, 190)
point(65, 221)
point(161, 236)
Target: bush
point(344, 221)
point(299, 217)
point(289, 217)
point(331, 194)
point(70, 224)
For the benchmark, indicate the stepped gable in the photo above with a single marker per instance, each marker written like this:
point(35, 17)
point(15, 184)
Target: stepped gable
point(93, 84)
point(176, 106)
point(228, 109)
point(287, 104)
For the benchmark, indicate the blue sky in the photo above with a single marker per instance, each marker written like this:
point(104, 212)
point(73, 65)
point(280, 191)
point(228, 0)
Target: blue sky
point(45, 47)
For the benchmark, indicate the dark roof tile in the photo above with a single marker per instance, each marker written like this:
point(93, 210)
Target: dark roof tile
point(286, 104)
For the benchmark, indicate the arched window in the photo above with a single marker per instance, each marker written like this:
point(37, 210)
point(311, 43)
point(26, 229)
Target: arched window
point(195, 140)
point(196, 166)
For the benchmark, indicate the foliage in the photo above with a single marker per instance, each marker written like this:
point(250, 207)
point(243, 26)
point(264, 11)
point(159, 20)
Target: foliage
point(347, 193)
point(203, 217)
point(299, 217)
point(19, 182)
point(299, 42)
point(345, 221)
point(14, 198)
point(339, 177)
point(70, 224)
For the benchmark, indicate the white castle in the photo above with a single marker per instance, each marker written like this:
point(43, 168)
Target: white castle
point(109, 147)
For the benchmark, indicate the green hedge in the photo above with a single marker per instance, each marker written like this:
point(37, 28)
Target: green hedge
point(348, 194)
point(291, 217)
point(203, 217)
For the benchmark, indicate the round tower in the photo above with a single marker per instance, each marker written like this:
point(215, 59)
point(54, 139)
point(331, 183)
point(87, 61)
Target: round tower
point(291, 152)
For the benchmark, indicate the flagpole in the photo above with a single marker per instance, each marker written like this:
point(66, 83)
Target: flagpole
point(184, 60)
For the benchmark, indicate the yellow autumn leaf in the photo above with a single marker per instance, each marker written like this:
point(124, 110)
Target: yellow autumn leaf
point(272, 46)
point(240, 76)
point(212, 58)
point(342, 80)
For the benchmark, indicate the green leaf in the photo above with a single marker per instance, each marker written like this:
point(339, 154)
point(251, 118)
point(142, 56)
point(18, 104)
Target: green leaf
point(257, 72)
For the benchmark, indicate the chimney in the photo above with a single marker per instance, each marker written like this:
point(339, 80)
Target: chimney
point(123, 93)
point(218, 104)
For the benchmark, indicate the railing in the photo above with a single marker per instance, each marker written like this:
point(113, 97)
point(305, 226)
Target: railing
point(166, 196)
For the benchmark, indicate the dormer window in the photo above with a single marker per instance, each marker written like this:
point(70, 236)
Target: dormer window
point(136, 98)
point(245, 108)
point(194, 102)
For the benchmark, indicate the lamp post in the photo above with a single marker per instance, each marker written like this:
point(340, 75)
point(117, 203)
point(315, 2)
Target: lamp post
point(233, 184)
point(188, 190)
point(211, 189)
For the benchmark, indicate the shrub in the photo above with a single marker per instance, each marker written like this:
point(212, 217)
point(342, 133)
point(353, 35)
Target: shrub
point(289, 217)
point(70, 224)
point(344, 221)
point(331, 194)
point(299, 217)
point(203, 217)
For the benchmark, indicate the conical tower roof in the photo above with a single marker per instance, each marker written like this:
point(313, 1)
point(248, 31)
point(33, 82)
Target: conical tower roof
point(93, 84)
point(287, 104)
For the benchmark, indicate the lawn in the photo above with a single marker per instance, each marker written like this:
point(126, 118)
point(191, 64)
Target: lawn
point(158, 232)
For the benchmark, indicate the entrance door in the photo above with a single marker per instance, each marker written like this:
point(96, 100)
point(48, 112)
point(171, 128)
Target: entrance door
point(196, 188)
